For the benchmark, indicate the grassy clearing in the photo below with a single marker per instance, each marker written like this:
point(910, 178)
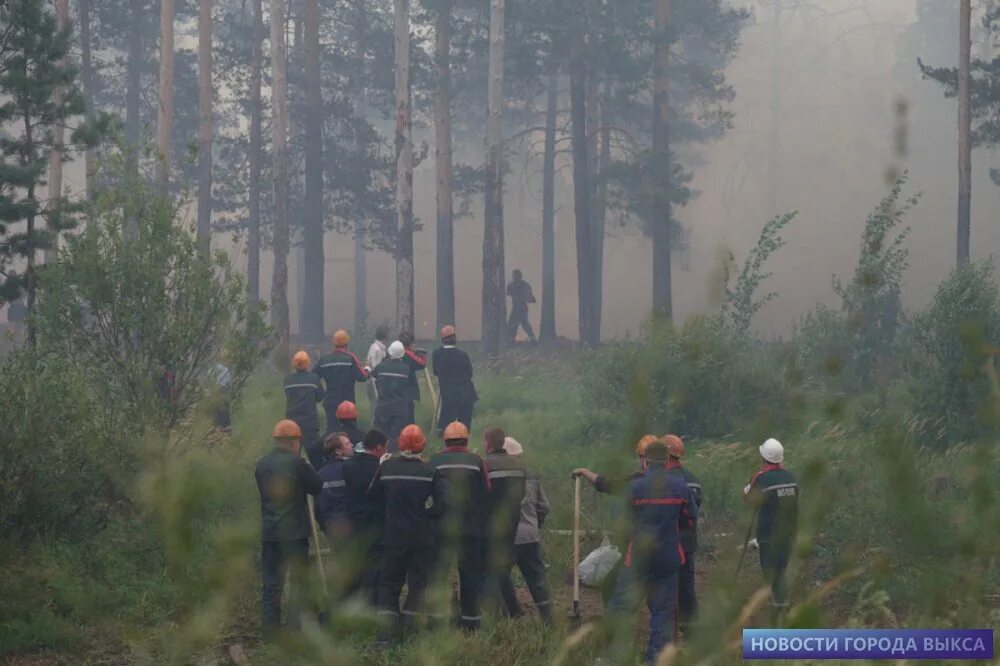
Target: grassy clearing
point(915, 528)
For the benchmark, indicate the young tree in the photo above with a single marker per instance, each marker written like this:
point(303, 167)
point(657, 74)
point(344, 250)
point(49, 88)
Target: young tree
point(581, 189)
point(547, 325)
point(404, 169)
point(87, 82)
point(494, 299)
point(312, 306)
point(661, 224)
point(279, 143)
point(32, 70)
point(205, 92)
point(165, 114)
point(58, 135)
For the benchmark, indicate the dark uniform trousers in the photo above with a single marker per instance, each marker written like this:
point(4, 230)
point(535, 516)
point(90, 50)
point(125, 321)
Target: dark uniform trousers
point(529, 561)
point(277, 558)
point(519, 318)
point(410, 565)
point(391, 420)
point(773, 563)
point(660, 591)
point(470, 551)
point(455, 410)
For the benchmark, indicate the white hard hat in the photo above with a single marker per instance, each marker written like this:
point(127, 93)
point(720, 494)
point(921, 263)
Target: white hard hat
point(512, 446)
point(396, 350)
point(772, 451)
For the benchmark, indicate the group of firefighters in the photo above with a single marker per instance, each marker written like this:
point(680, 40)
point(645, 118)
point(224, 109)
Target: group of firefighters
point(393, 516)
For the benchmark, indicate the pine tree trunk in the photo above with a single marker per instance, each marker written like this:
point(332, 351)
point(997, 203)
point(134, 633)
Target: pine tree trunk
point(205, 128)
point(404, 170)
point(494, 299)
point(964, 132)
point(443, 165)
point(255, 157)
point(594, 145)
point(56, 154)
point(581, 192)
point(600, 211)
point(774, 131)
point(547, 326)
point(133, 88)
point(315, 261)
point(279, 143)
point(165, 116)
point(661, 222)
point(361, 112)
point(87, 82)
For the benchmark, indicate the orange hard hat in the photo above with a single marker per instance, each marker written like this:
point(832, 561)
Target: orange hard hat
point(341, 338)
point(456, 430)
point(287, 429)
point(448, 331)
point(646, 440)
point(301, 360)
point(412, 439)
point(675, 445)
point(347, 410)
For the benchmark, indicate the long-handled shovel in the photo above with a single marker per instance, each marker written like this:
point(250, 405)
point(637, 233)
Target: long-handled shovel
point(575, 614)
point(435, 403)
point(746, 543)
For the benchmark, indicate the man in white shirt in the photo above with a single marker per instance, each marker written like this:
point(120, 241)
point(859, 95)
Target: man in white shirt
point(376, 354)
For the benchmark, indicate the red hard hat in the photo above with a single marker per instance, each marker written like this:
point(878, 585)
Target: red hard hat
point(646, 440)
point(675, 445)
point(412, 439)
point(346, 411)
point(456, 430)
point(286, 429)
point(447, 331)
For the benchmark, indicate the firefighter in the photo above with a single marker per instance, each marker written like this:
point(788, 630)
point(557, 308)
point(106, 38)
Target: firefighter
point(366, 515)
point(406, 484)
point(507, 487)
point(528, 544)
point(331, 505)
point(376, 354)
point(614, 486)
point(463, 524)
point(520, 296)
point(347, 421)
point(659, 505)
point(453, 369)
point(687, 599)
point(339, 370)
point(395, 403)
point(303, 390)
point(284, 479)
point(774, 494)
point(416, 359)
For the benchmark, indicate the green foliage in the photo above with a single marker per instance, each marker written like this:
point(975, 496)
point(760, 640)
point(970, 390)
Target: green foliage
point(61, 464)
point(131, 300)
point(701, 379)
point(949, 354)
point(740, 305)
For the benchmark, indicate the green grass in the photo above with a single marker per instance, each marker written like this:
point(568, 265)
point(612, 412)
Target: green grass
point(178, 580)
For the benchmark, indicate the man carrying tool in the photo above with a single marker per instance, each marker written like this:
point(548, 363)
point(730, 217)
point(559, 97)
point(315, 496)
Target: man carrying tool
point(303, 390)
point(284, 479)
point(453, 369)
point(687, 599)
point(528, 544)
point(463, 526)
point(366, 514)
point(774, 494)
point(406, 484)
point(507, 487)
point(520, 296)
point(347, 421)
point(416, 359)
point(659, 505)
point(331, 505)
point(376, 354)
point(339, 370)
point(395, 395)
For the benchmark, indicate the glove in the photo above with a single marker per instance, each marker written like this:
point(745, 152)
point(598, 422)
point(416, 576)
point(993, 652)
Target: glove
point(368, 370)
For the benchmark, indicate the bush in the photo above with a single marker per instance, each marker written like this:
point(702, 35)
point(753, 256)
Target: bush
point(703, 379)
point(949, 354)
point(61, 464)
